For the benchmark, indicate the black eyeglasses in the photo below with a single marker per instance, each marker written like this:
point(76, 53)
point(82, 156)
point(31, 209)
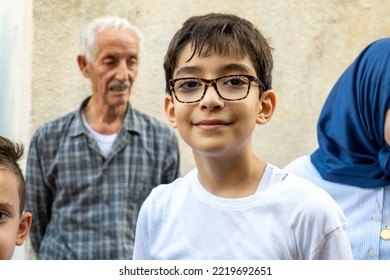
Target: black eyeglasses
point(231, 88)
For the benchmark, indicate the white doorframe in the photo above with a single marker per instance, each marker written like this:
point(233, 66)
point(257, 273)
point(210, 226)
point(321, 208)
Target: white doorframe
point(16, 29)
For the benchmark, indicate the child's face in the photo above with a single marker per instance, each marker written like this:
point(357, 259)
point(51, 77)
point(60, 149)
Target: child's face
point(214, 126)
point(13, 227)
point(387, 127)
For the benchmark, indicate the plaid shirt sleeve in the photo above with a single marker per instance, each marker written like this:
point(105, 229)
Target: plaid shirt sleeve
point(39, 192)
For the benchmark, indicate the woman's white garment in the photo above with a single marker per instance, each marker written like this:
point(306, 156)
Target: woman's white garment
point(360, 206)
point(287, 218)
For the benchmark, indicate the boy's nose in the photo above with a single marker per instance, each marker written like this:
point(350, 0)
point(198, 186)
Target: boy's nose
point(211, 99)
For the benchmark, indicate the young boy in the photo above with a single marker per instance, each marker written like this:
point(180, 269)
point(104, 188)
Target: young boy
point(14, 224)
point(233, 205)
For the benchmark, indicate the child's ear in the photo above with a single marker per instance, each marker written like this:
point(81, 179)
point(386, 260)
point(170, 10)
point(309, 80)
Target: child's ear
point(83, 65)
point(24, 228)
point(267, 108)
point(169, 108)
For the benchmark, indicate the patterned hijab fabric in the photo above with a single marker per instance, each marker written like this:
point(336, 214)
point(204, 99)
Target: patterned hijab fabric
point(352, 149)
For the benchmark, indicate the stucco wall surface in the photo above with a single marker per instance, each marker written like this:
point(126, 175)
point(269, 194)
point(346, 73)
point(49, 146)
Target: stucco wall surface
point(313, 41)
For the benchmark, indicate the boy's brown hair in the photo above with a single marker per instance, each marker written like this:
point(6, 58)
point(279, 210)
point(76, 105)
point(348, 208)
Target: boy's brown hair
point(221, 33)
point(10, 153)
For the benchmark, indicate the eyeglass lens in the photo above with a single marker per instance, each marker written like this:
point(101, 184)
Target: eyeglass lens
point(229, 88)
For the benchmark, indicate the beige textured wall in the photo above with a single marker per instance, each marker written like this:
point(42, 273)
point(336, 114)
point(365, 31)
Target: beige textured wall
point(313, 41)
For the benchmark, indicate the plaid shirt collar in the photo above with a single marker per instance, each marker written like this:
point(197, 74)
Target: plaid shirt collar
point(130, 123)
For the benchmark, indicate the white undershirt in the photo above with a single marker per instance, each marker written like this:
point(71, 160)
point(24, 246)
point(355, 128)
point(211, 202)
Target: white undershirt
point(104, 141)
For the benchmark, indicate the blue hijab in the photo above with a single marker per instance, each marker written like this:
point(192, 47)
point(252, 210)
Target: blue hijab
point(352, 149)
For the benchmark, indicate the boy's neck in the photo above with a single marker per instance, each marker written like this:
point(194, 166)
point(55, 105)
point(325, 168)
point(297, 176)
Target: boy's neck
point(230, 178)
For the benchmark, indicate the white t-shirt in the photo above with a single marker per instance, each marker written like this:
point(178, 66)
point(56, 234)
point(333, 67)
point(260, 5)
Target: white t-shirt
point(286, 219)
point(104, 141)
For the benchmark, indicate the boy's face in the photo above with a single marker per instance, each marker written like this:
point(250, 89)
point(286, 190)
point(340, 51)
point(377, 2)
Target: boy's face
point(214, 126)
point(13, 227)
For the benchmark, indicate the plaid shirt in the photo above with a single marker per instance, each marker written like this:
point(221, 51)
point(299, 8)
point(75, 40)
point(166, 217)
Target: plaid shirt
point(85, 206)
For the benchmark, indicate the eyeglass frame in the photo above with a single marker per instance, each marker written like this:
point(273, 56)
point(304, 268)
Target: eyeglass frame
point(213, 82)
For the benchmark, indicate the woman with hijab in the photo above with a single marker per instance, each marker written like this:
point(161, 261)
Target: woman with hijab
point(352, 162)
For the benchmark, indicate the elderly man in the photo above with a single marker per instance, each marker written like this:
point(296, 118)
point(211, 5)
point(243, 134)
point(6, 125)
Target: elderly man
point(88, 172)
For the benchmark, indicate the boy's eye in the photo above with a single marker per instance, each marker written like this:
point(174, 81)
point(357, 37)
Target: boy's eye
point(188, 84)
point(6, 211)
point(235, 81)
point(2, 216)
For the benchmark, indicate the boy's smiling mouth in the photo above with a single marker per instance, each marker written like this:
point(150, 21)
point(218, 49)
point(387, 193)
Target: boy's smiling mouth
point(211, 124)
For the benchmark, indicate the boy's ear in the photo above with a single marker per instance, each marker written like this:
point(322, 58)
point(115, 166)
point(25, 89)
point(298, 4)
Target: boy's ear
point(267, 108)
point(169, 108)
point(24, 228)
point(83, 65)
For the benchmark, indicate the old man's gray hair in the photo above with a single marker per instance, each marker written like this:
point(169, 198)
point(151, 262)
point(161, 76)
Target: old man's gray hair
point(90, 33)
